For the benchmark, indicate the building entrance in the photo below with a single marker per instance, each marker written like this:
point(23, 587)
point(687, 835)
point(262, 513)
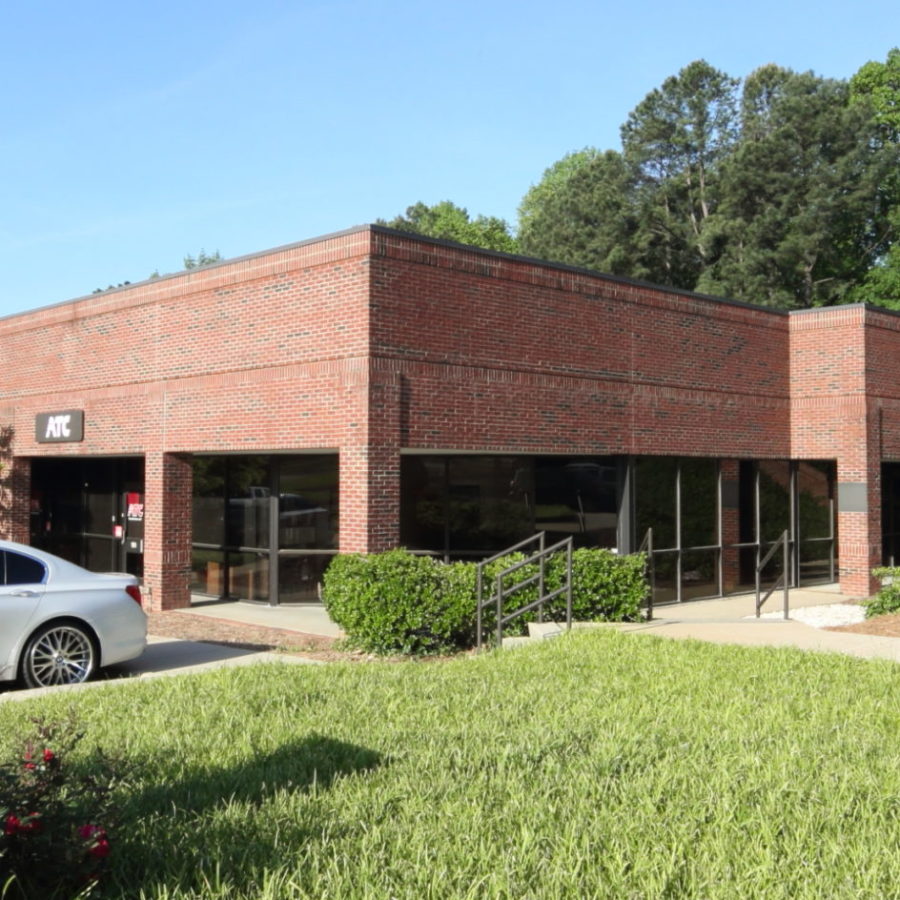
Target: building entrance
point(90, 511)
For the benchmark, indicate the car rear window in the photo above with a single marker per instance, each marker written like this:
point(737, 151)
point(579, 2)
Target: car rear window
point(20, 569)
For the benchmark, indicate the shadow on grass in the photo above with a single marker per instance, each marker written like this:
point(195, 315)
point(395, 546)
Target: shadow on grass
point(229, 823)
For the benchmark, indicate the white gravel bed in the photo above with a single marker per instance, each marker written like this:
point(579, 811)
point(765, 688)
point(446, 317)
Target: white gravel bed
point(822, 616)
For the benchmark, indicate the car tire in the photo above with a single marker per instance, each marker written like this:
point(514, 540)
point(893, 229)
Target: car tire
point(59, 653)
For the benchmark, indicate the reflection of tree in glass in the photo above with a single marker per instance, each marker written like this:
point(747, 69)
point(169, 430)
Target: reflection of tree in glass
point(774, 498)
point(654, 478)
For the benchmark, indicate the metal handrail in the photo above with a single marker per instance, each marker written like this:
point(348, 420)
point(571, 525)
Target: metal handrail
point(541, 557)
point(647, 546)
point(784, 578)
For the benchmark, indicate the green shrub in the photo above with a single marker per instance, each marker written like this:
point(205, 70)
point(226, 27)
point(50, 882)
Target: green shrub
point(887, 600)
point(605, 587)
point(396, 602)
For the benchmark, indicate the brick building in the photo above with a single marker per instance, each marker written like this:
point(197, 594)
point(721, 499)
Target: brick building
point(225, 431)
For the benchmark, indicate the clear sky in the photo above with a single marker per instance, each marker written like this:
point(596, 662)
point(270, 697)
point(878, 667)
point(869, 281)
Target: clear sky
point(135, 133)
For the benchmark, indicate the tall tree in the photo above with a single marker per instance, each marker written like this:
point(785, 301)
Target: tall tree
point(451, 222)
point(543, 194)
point(783, 198)
point(803, 212)
point(675, 141)
point(878, 84)
point(586, 219)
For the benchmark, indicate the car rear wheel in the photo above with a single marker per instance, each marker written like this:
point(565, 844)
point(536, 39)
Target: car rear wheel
point(60, 653)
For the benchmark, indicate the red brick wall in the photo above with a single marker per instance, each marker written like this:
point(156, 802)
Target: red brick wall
point(840, 362)
point(370, 341)
point(256, 354)
point(507, 354)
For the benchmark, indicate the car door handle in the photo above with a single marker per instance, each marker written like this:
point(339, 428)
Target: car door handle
point(25, 594)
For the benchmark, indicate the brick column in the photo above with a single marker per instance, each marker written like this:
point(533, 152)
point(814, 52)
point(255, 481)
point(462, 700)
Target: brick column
point(15, 498)
point(168, 483)
point(859, 524)
point(370, 472)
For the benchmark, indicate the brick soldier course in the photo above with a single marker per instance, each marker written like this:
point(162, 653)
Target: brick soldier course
point(371, 342)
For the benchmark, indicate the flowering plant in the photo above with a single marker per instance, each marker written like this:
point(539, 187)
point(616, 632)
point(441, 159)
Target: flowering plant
point(49, 843)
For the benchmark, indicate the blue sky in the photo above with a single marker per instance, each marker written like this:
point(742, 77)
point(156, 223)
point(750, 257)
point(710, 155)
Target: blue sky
point(133, 134)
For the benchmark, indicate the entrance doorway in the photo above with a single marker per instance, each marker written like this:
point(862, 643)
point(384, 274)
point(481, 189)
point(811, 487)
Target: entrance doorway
point(90, 511)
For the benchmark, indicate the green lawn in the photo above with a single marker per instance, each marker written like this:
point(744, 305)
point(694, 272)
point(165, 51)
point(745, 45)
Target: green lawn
point(597, 765)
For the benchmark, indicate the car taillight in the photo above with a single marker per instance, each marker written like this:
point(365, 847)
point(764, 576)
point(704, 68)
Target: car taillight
point(134, 592)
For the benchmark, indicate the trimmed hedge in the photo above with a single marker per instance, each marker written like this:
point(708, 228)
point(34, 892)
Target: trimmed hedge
point(396, 602)
point(887, 600)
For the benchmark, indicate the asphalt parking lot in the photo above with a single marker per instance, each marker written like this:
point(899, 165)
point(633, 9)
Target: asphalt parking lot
point(166, 656)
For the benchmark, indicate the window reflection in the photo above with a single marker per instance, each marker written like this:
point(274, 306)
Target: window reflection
point(235, 500)
point(577, 498)
point(307, 503)
point(466, 506)
point(774, 498)
point(249, 496)
point(699, 503)
point(655, 480)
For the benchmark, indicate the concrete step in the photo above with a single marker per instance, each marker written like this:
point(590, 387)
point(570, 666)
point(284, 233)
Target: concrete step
point(543, 630)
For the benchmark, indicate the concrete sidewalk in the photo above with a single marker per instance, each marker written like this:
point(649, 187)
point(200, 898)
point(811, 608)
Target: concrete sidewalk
point(725, 621)
point(307, 618)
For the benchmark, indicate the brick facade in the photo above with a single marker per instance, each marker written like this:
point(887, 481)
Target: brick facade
point(370, 342)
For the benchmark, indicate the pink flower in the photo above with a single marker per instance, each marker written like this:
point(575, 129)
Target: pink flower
point(32, 823)
point(101, 849)
point(96, 837)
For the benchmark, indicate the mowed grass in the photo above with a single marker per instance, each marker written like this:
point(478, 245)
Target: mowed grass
point(597, 765)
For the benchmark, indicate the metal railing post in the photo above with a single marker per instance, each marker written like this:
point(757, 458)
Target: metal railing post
point(761, 564)
point(479, 593)
point(786, 574)
point(651, 569)
point(499, 609)
point(541, 570)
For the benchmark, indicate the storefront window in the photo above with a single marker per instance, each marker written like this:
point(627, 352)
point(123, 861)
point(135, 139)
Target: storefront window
point(488, 503)
point(236, 499)
point(423, 512)
point(209, 500)
point(577, 497)
point(308, 503)
point(655, 480)
point(471, 506)
point(699, 503)
point(249, 497)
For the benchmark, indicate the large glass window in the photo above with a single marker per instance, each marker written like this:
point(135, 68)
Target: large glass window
point(209, 500)
point(890, 513)
point(679, 500)
point(655, 480)
point(774, 498)
point(80, 511)
point(265, 527)
point(488, 503)
point(423, 507)
point(249, 501)
point(699, 480)
point(578, 498)
point(471, 506)
point(793, 496)
point(308, 503)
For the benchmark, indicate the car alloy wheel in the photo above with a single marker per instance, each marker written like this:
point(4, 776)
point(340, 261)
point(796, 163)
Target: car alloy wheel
point(58, 654)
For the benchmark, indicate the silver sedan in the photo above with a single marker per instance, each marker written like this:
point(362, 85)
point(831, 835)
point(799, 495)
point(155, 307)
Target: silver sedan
point(59, 623)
